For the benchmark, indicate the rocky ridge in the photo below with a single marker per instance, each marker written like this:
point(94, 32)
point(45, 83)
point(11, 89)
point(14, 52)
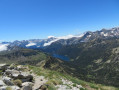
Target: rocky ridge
point(19, 77)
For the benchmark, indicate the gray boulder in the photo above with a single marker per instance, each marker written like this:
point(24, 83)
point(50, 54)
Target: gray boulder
point(15, 88)
point(1, 83)
point(11, 72)
point(7, 81)
point(3, 88)
point(27, 86)
point(23, 77)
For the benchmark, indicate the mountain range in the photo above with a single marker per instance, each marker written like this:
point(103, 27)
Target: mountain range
point(92, 56)
point(65, 40)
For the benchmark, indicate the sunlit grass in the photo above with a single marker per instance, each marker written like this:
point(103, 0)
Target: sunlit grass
point(55, 78)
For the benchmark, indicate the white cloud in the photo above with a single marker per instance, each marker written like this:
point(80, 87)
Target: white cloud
point(3, 47)
point(51, 36)
point(30, 44)
point(63, 37)
point(46, 44)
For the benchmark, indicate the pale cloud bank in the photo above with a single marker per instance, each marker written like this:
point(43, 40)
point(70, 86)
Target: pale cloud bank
point(30, 44)
point(3, 47)
point(51, 36)
point(58, 38)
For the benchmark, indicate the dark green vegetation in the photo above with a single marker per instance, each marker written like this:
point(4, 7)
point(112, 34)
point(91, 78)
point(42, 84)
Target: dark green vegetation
point(22, 56)
point(97, 60)
point(54, 78)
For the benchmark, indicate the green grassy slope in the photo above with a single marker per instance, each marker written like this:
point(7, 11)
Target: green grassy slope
point(99, 58)
point(54, 78)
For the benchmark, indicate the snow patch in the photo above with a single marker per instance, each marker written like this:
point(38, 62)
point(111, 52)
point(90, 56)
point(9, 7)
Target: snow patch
point(3, 47)
point(112, 31)
point(38, 46)
point(89, 35)
point(30, 44)
point(105, 34)
point(102, 33)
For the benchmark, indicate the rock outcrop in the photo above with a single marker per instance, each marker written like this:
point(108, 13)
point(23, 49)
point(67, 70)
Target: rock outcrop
point(18, 77)
point(14, 77)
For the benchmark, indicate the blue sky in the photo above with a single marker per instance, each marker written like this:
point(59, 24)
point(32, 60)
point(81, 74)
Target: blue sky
point(28, 19)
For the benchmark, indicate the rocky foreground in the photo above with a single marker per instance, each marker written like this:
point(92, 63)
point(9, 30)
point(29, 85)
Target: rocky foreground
point(19, 77)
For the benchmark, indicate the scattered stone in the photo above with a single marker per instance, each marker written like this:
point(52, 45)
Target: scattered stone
point(3, 66)
point(23, 77)
point(21, 68)
point(15, 78)
point(68, 85)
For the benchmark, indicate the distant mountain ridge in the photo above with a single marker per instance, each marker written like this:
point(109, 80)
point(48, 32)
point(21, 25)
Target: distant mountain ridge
point(65, 40)
point(93, 56)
